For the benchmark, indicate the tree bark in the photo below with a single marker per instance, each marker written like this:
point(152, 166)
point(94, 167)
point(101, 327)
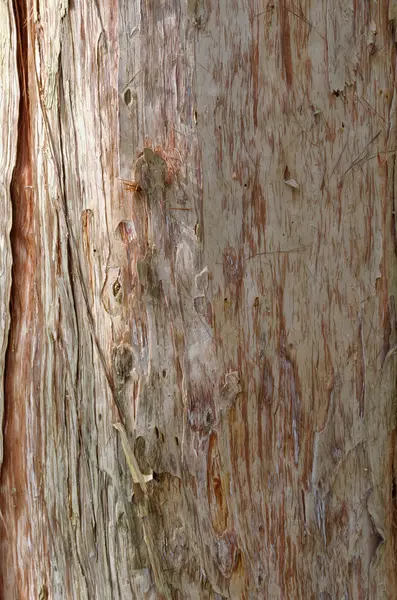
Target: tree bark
point(198, 322)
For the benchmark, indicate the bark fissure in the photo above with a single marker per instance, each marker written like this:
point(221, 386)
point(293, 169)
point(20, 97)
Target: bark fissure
point(13, 474)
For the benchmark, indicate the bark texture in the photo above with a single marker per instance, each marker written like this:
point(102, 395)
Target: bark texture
point(199, 366)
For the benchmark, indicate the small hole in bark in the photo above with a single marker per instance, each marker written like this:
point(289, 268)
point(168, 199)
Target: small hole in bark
point(208, 418)
point(245, 185)
point(260, 580)
point(225, 299)
point(156, 476)
point(156, 431)
point(164, 373)
point(127, 97)
point(99, 417)
point(237, 558)
point(336, 93)
point(116, 288)
point(177, 441)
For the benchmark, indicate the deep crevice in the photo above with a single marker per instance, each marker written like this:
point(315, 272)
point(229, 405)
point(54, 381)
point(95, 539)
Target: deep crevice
point(22, 159)
point(21, 196)
point(17, 360)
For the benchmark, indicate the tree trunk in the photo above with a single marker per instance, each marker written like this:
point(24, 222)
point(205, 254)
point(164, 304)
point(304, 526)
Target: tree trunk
point(198, 362)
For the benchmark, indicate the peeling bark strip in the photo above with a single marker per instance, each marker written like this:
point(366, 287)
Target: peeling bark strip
point(200, 375)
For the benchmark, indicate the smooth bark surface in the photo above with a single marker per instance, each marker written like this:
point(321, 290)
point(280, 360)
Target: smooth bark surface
point(199, 365)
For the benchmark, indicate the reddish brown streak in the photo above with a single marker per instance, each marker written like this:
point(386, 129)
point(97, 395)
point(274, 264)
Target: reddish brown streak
point(285, 42)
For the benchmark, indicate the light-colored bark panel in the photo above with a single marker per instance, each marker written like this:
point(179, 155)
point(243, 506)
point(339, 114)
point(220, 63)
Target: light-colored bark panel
point(201, 373)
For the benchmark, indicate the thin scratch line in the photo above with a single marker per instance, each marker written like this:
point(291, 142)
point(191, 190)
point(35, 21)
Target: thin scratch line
point(279, 251)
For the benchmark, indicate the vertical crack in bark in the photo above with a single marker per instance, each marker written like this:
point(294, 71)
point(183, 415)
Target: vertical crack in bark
point(14, 571)
point(75, 268)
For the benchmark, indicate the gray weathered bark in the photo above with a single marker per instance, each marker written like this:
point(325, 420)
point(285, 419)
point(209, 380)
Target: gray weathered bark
point(199, 365)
